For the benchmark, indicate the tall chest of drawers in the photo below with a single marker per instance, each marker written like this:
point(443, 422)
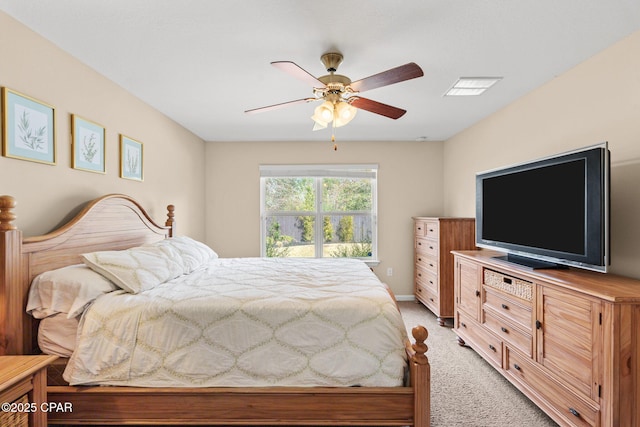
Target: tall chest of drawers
point(434, 239)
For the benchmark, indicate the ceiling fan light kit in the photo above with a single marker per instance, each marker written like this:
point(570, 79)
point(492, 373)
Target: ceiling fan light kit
point(340, 113)
point(340, 95)
point(344, 113)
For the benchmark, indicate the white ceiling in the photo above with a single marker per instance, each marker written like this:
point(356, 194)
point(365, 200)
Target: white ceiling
point(203, 62)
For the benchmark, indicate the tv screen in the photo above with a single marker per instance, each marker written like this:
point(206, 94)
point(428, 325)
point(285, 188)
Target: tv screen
point(548, 212)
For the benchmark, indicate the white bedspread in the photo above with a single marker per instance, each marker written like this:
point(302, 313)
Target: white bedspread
point(246, 322)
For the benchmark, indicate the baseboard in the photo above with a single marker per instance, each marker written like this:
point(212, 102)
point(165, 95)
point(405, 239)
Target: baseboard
point(405, 297)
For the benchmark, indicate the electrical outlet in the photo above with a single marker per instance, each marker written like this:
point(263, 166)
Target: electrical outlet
point(389, 271)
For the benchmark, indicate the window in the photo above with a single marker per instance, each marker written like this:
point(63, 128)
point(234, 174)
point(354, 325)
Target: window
point(317, 211)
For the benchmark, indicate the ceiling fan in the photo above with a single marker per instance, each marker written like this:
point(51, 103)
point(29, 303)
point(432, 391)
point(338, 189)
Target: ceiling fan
point(341, 95)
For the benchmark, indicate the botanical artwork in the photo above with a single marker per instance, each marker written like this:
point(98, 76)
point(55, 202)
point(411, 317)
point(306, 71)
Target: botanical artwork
point(29, 128)
point(130, 158)
point(88, 148)
point(88, 145)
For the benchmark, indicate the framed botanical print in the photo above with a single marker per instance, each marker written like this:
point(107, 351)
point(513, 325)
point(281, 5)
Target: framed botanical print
point(131, 158)
point(88, 145)
point(28, 128)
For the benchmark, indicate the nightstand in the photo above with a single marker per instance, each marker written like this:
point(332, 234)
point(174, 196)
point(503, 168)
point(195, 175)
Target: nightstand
point(23, 390)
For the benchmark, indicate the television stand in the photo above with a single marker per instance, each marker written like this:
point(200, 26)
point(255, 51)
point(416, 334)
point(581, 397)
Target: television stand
point(568, 339)
point(534, 264)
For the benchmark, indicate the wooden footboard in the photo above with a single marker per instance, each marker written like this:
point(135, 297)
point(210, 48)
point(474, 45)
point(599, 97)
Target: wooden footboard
point(361, 406)
point(230, 406)
point(118, 222)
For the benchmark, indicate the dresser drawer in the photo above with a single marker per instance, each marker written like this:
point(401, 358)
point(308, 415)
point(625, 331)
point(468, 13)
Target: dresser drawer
point(427, 247)
point(509, 334)
point(574, 409)
point(480, 339)
point(427, 278)
point(426, 296)
point(509, 285)
point(428, 263)
point(514, 310)
point(432, 229)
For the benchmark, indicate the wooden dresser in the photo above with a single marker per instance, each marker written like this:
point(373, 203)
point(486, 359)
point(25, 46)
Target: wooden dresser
point(23, 390)
point(568, 339)
point(434, 239)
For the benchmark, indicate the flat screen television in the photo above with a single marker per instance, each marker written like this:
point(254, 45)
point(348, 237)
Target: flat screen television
point(551, 212)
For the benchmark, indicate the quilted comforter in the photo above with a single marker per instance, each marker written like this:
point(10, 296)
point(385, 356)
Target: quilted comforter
point(246, 322)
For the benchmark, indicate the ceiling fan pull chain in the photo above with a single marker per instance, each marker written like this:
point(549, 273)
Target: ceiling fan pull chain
point(333, 136)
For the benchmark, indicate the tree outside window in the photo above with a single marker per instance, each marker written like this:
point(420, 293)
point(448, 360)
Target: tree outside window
point(319, 211)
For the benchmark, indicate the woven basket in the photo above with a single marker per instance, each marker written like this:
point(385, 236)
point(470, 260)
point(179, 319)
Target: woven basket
point(513, 286)
point(18, 418)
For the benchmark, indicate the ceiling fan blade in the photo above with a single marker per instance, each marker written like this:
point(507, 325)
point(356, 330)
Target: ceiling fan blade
point(377, 107)
point(278, 106)
point(298, 72)
point(395, 75)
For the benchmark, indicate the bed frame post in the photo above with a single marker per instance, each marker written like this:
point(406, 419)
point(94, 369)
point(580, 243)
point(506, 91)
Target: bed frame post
point(421, 378)
point(171, 222)
point(12, 299)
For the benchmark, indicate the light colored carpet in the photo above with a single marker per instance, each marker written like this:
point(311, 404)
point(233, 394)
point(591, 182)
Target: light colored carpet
point(466, 390)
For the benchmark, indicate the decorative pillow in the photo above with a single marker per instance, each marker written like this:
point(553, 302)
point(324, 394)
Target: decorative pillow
point(137, 269)
point(193, 254)
point(66, 290)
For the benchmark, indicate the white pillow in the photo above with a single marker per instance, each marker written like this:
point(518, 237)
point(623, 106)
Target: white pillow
point(66, 290)
point(192, 253)
point(137, 269)
point(57, 334)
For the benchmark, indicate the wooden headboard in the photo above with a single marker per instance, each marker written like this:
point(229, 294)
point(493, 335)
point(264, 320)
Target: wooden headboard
point(111, 222)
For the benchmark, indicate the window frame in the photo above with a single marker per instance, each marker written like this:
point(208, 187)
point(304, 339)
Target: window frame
point(318, 173)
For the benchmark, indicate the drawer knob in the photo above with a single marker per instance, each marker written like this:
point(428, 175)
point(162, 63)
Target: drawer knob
point(505, 330)
point(419, 259)
point(464, 325)
point(574, 412)
point(505, 306)
point(431, 230)
point(419, 275)
point(430, 247)
point(492, 347)
point(477, 293)
point(516, 367)
point(431, 299)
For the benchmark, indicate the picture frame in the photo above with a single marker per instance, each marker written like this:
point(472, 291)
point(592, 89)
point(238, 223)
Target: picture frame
point(88, 145)
point(28, 128)
point(131, 158)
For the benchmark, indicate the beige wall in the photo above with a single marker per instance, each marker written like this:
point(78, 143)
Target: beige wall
point(599, 100)
point(596, 101)
point(409, 184)
point(173, 157)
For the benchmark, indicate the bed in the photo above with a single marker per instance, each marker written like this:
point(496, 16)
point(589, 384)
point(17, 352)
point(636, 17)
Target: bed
point(119, 223)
